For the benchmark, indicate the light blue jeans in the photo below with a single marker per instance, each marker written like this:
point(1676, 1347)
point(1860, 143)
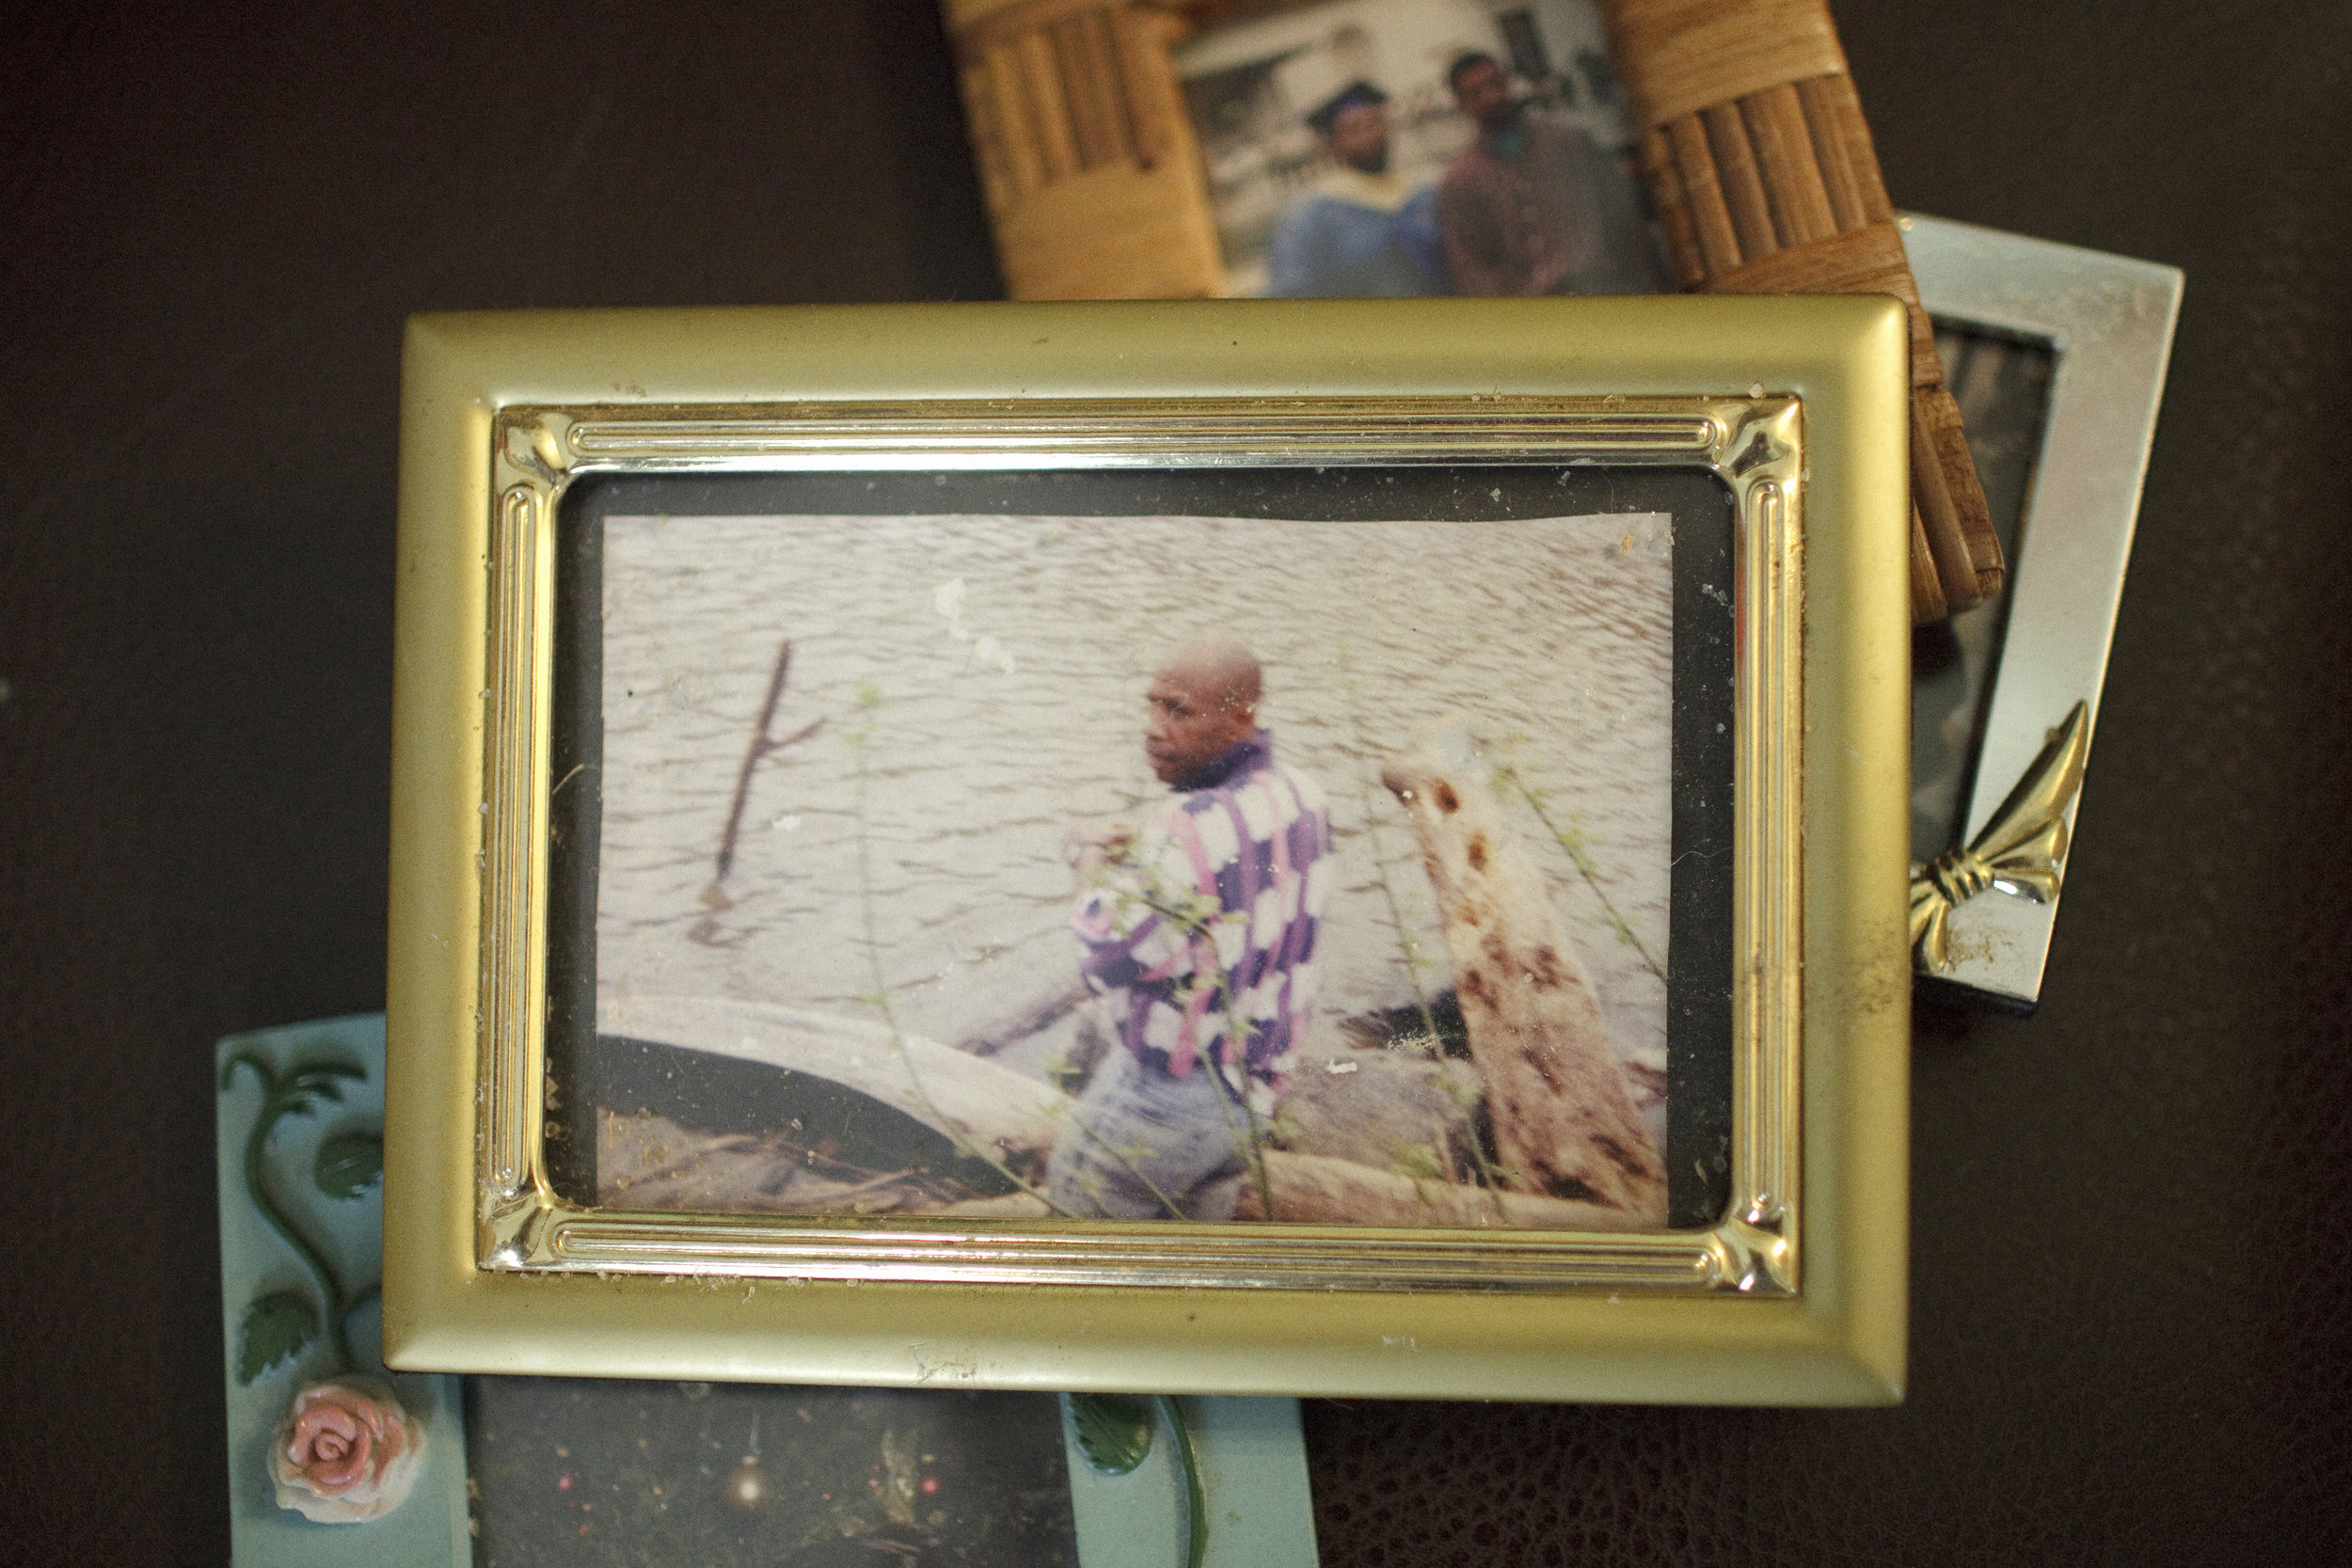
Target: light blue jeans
point(1140, 1141)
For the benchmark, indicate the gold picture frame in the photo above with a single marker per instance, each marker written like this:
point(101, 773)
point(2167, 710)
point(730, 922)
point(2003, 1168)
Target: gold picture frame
point(1794, 1293)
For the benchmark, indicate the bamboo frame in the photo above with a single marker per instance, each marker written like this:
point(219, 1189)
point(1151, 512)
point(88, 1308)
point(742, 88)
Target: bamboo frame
point(1086, 161)
point(2108, 321)
point(1754, 143)
point(1761, 163)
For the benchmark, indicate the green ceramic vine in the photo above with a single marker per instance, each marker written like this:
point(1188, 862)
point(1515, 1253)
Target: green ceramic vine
point(347, 1451)
point(280, 1325)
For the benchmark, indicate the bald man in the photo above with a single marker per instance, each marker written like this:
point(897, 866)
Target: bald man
point(1199, 928)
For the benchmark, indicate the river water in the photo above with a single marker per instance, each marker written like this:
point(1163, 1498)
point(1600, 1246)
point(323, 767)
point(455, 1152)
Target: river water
point(979, 683)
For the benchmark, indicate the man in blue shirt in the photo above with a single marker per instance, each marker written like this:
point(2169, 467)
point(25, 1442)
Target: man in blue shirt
point(1362, 232)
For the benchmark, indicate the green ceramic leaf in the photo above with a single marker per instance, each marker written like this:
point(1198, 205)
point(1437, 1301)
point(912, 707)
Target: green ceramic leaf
point(248, 1058)
point(1196, 1499)
point(350, 1162)
point(1114, 1430)
point(276, 1329)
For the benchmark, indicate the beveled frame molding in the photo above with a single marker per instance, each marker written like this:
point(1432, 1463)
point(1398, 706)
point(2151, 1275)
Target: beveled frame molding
point(1802, 422)
point(1754, 446)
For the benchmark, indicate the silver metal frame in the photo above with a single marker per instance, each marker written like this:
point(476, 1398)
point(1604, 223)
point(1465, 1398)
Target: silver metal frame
point(2108, 321)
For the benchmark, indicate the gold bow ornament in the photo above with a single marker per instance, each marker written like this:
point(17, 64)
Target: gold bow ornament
point(2022, 851)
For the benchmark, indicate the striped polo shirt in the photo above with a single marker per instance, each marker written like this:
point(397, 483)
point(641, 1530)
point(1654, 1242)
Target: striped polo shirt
point(1206, 926)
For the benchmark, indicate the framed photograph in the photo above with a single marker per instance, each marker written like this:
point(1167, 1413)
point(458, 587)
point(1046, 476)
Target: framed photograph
point(1341, 149)
point(2058, 358)
point(1381, 148)
point(1386, 149)
point(1110, 847)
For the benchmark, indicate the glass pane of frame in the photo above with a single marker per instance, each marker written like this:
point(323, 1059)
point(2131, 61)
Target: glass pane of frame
point(822, 743)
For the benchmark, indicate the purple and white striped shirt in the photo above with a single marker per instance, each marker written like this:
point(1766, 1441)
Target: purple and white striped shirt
point(1223, 891)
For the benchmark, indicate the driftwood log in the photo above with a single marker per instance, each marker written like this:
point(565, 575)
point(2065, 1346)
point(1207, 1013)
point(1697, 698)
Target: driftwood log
point(966, 1097)
point(1564, 1123)
point(1014, 1117)
point(1046, 1006)
point(1315, 1189)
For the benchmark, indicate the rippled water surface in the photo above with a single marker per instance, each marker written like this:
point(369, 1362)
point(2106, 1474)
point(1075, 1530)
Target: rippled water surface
point(981, 681)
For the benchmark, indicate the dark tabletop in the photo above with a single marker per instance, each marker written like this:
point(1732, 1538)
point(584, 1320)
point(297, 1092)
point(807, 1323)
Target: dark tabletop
point(2129, 1291)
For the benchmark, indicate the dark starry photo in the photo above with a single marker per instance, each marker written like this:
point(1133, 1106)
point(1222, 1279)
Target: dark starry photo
point(584, 1473)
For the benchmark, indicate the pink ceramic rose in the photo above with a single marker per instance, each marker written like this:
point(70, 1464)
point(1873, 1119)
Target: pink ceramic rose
point(346, 1451)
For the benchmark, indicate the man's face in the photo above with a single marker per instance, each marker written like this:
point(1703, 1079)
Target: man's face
point(1189, 723)
point(1359, 137)
point(1484, 94)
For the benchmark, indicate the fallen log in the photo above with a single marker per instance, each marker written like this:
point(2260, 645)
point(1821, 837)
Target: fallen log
point(1315, 1189)
point(1013, 1206)
point(1564, 1123)
point(1391, 1110)
point(961, 1096)
point(648, 1162)
point(1042, 1011)
point(971, 1098)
